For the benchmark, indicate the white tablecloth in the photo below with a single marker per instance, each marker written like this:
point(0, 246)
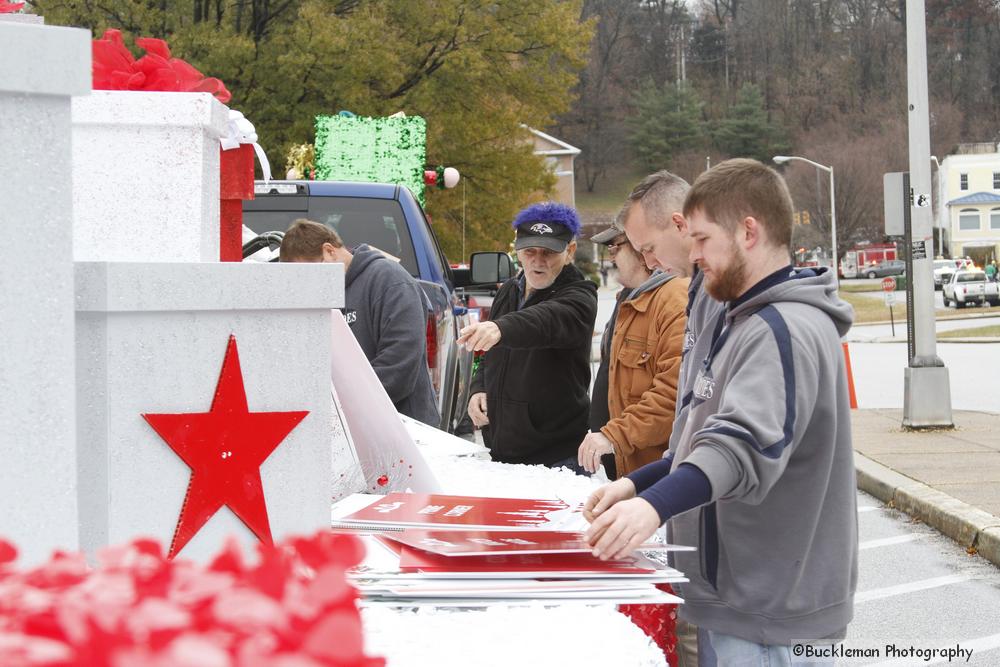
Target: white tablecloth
point(570, 635)
point(567, 634)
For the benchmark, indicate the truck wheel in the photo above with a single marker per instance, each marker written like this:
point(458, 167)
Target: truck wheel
point(871, 274)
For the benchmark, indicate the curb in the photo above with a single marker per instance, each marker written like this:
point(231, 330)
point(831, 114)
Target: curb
point(940, 341)
point(970, 526)
point(945, 318)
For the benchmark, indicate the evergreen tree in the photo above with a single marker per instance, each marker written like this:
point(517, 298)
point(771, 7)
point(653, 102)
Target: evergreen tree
point(745, 131)
point(668, 120)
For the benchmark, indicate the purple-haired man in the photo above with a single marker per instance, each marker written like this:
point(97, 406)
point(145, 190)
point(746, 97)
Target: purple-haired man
point(531, 393)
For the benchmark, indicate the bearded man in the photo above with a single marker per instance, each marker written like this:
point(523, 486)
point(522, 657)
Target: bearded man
point(762, 478)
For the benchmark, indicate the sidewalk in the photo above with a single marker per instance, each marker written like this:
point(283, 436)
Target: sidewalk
point(949, 479)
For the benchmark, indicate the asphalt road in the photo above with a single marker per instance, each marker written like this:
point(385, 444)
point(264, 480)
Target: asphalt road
point(916, 588)
point(919, 589)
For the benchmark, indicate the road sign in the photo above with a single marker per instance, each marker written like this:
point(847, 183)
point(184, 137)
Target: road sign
point(890, 298)
point(888, 284)
point(892, 188)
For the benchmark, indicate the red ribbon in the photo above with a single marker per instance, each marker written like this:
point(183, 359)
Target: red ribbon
point(116, 69)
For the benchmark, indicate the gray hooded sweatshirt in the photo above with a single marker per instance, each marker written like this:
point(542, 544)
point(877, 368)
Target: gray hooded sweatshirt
point(702, 313)
point(387, 313)
point(769, 425)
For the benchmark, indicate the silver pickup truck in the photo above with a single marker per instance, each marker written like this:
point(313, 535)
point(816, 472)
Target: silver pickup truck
point(967, 287)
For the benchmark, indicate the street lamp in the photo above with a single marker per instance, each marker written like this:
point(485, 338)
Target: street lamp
point(782, 159)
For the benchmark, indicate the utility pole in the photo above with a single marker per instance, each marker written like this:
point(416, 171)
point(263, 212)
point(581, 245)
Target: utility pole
point(677, 64)
point(683, 57)
point(927, 392)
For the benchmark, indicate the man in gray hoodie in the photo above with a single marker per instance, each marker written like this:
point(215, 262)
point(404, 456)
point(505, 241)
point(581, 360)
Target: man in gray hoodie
point(386, 310)
point(762, 479)
point(657, 229)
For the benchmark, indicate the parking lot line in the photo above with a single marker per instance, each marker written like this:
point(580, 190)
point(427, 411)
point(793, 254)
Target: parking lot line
point(912, 587)
point(886, 541)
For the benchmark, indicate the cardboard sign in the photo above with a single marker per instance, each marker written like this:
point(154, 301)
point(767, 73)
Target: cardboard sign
point(390, 460)
point(419, 509)
point(479, 543)
point(568, 565)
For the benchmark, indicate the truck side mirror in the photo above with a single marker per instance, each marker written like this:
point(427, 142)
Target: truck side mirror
point(490, 267)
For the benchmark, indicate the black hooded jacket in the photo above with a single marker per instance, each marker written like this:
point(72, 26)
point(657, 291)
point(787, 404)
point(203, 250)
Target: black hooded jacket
point(537, 378)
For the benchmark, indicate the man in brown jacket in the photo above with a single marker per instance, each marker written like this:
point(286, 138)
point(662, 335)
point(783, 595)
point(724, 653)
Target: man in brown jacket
point(644, 361)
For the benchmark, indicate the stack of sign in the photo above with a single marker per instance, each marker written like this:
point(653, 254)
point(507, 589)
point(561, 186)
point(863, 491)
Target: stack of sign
point(442, 550)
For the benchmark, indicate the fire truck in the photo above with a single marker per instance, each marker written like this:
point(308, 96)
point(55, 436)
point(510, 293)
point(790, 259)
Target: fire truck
point(860, 256)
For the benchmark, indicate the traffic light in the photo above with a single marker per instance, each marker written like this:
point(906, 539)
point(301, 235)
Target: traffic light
point(795, 217)
point(805, 217)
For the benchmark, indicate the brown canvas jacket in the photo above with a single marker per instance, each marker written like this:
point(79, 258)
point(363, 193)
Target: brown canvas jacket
point(644, 366)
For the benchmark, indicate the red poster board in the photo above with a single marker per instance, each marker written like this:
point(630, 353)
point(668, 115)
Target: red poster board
point(479, 543)
point(571, 564)
point(467, 512)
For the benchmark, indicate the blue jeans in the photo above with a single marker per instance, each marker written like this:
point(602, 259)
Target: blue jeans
point(718, 650)
point(570, 463)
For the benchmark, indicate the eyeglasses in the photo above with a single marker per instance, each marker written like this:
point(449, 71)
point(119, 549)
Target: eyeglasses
point(613, 247)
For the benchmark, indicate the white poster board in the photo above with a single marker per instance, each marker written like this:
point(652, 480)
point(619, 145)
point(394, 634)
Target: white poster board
point(390, 460)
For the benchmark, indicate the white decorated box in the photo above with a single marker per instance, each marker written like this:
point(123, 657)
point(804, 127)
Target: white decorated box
point(151, 339)
point(146, 176)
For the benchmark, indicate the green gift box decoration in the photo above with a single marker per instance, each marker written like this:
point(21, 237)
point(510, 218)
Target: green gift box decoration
point(377, 150)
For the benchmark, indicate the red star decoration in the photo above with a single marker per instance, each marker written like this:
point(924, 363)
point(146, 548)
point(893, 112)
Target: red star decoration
point(224, 448)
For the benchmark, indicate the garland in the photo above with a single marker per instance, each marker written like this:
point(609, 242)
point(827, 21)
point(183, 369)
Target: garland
point(294, 606)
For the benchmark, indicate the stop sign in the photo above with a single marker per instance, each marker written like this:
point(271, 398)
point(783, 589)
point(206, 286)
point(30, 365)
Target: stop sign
point(888, 284)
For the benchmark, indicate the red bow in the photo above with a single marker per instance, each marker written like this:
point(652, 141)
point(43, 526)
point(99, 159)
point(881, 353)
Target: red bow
point(10, 7)
point(116, 69)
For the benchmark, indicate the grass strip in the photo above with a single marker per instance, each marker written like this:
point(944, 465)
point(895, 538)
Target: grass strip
point(974, 332)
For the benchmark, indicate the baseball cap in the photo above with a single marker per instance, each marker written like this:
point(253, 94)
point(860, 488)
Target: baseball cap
point(549, 235)
point(608, 235)
point(548, 225)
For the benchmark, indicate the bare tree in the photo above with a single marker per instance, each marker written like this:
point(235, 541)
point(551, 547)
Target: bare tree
point(596, 122)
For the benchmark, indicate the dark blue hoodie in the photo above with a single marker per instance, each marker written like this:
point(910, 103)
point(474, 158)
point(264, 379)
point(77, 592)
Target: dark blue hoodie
point(387, 312)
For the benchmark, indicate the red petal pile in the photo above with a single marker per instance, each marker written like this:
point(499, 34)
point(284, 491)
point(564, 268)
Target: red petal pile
point(659, 622)
point(136, 608)
point(116, 69)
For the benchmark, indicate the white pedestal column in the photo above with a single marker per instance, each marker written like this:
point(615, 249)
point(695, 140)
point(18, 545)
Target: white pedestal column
point(40, 68)
point(151, 338)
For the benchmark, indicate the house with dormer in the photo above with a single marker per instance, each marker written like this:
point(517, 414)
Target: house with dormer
point(559, 157)
point(971, 194)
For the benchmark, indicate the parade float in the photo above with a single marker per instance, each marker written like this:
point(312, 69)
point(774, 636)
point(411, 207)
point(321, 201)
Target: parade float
point(171, 431)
